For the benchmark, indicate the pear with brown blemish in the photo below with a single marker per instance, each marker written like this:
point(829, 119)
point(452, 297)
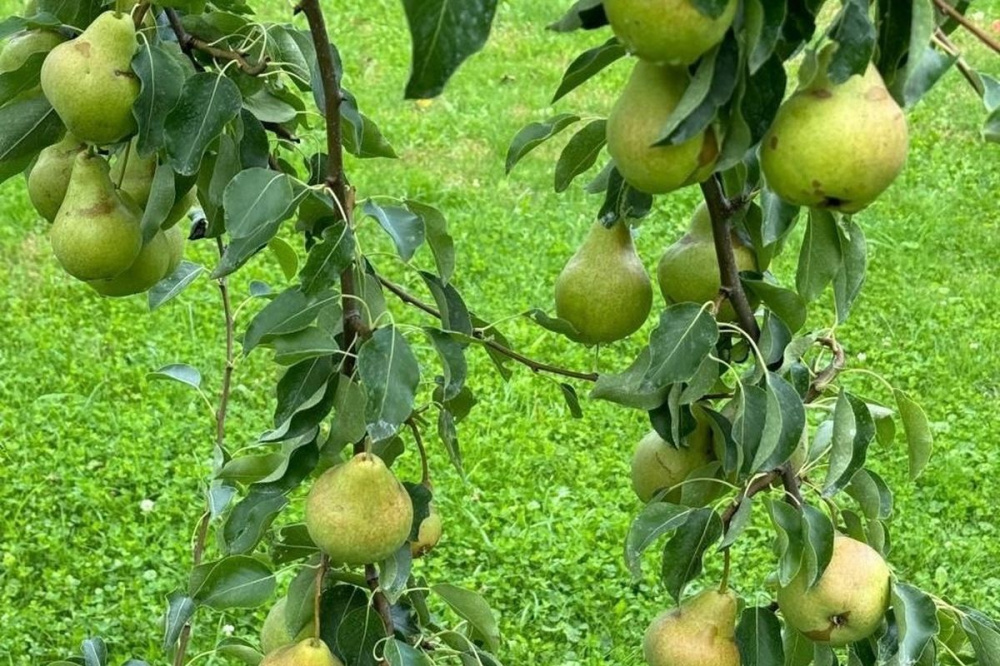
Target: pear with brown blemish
point(701, 632)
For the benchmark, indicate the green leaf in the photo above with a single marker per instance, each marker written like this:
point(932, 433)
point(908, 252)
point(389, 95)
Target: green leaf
point(328, 259)
point(763, 27)
point(238, 581)
point(472, 608)
point(785, 419)
point(622, 201)
point(686, 334)
point(208, 103)
point(390, 374)
point(798, 649)
point(751, 419)
point(348, 423)
point(818, 531)
point(444, 33)
point(572, 400)
point(790, 541)
point(404, 228)
point(739, 522)
point(853, 431)
point(683, 553)
point(555, 324)
point(820, 257)
point(367, 141)
point(21, 80)
point(438, 239)
point(162, 79)
point(25, 128)
point(785, 303)
point(394, 573)
point(712, 9)
point(398, 653)
point(455, 314)
point(449, 437)
point(257, 198)
point(849, 280)
point(291, 311)
point(758, 636)
point(288, 260)
point(299, 385)
point(916, 618)
point(95, 652)
point(161, 201)
point(855, 35)
point(655, 520)
point(984, 634)
point(587, 65)
point(170, 287)
point(584, 14)
point(311, 342)
point(919, 440)
point(180, 609)
point(250, 469)
point(179, 372)
point(453, 363)
point(238, 648)
point(580, 153)
point(628, 388)
point(872, 495)
point(535, 134)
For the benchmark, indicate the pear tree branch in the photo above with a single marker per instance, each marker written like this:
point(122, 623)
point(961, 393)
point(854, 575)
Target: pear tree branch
point(963, 21)
point(189, 43)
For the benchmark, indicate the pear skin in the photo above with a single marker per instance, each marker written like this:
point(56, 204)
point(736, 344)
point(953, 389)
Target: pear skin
point(604, 290)
point(428, 534)
point(89, 80)
point(657, 464)
point(155, 262)
point(689, 269)
point(24, 45)
point(635, 125)
point(175, 242)
point(96, 234)
point(848, 601)
point(667, 31)
point(836, 146)
point(310, 652)
point(701, 632)
point(274, 633)
point(358, 512)
point(49, 177)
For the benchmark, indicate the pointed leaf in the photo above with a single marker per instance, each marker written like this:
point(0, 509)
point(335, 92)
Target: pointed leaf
point(758, 636)
point(580, 153)
point(405, 228)
point(588, 64)
point(472, 608)
point(918, 433)
point(820, 257)
point(684, 337)
point(238, 581)
point(179, 372)
point(535, 134)
point(917, 622)
point(390, 374)
point(682, 556)
point(162, 79)
point(208, 103)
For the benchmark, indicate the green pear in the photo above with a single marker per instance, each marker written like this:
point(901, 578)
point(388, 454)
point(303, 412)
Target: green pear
point(635, 125)
point(181, 208)
point(24, 45)
point(428, 534)
point(137, 180)
point(699, 633)
point(49, 177)
point(89, 80)
point(274, 633)
point(667, 31)
point(657, 464)
point(310, 652)
point(358, 512)
point(96, 234)
point(689, 269)
point(848, 601)
point(836, 146)
point(604, 290)
point(176, 242)
point(158, 258)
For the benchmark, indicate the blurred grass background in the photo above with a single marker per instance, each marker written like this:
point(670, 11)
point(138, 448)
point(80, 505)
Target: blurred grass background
point(86, 438)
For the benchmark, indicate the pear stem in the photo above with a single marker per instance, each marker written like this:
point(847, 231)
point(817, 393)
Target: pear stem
point(960, 18)
point(721, 209)
point(321, 570)
point(726, 568)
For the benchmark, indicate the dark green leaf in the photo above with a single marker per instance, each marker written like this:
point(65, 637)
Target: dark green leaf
point(257, 198)
point(820, 257)
point(790, 541)
point(452, 361)
point(26, 127)
point(238, 581)
point(440, 241)
point(818, 532)
point(751, 404)
point(180, 609)
point(162, 78)
point(291, 311)
point(172, 285)
point(785, 303)
point(683, 553)
point(623, 202)
point(555, 324)
point(587, 65)
point(872, 495)
point(394, 573)
point(449, 437)
point(712, 9)
point(850, 278)
point(580, 153)
point(472, 608)
point(390, 374)
point(328, 259)
point(758, 636)
point(398, 653)
point(405, 228)
point(454, 313)
point(535, 134)
point(584, 14)
point(628, 388)
point(21, 80)
point(310, 342)
point(855, 35)
point(784, 422)
point(208, 103)
point(916, 618)
point(984, 634)
point(853, 431)
point(572, 401)
point(685, 335)
point(655, 520)
point(918, 433)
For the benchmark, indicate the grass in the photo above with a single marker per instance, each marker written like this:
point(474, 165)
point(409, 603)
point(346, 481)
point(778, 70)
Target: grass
point(86, 437)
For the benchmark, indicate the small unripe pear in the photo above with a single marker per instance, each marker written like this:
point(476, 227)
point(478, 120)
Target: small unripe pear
point(848, 601)
point(428, 534)
point(358, 512)
point(156, 261)
point(836, 146)
point(636, 123)
point(24, 45)
point(49, 177)
point(667, 31)
point(310, 652)
point(699, 633)
point(274, 633)
point(604, 290)
point(657, 465)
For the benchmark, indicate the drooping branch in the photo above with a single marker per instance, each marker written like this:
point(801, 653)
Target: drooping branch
point(722, 211)
point(189, 43)
point(963, 21)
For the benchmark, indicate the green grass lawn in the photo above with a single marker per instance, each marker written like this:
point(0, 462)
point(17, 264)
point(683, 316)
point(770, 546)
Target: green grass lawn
point(86, 437)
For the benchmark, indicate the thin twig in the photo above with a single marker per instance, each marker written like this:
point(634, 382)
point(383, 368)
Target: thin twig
point(952, 49)
point(381, 603)
point(189, 42)
point(481, 334)
point(963, 21)
point(759, 485)
point(425, 474)
point(324, 566)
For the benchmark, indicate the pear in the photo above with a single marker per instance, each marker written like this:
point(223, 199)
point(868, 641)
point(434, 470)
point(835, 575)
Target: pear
point(310, 652)
point(657, 464)
point(848, 601)
point(835, 146)
point(49, 177)
point(89, 80)
point(667, 31)
point(636, 122)
point(175, 241)
point(137, 181)
point(274, 633)
point(604, 291)
point(689, 269)
point(181, 208)
point(158, 258)
point(96, 234)
point(428, 534)
point(699, 633)
point(24, 45)
point(358, 512)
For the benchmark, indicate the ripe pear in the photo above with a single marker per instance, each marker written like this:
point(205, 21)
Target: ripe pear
point(636, 122)
point(667, 31)
point(96, 234)
point(274, 633)
point(89, 80)
point(49, 177)
point(699, 633)
point(835, 146)
point(428, 534)
point(310, 652)
point(848, 601)
point(604, 290)
point(138, 178)
point(656, 464)
point(156, 261)
point(24, 45)
point(358, 512)
point(689, 269)
point(176, 241)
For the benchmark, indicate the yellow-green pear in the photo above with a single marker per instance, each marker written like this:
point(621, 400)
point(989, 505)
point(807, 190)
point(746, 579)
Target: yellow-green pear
point(274, 633)
point(848, 601)
point(24, 45)
point(604, 290)
point(658, 465)
point(636, 123)
point(158, 258)
point(138, 178)
point(701, 632)
point(96, 234)
point(667, 31)
point(358, 512)
point(49, 177)
point(835, 146)
point(89, 80)
point(428, 534)
point(310, 652)
point(689, 269)
point(176, 242)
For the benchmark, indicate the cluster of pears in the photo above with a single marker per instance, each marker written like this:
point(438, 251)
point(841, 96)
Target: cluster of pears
point(96, 209)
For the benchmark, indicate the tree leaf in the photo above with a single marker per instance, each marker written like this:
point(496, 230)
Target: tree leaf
point(918, 433)
point(820, 256)
point(404, 228)
point(21, 80)
point(789, 544)
point(785, 303)
point(171, 286)
point(655, 520)
point(208, 103)
point(328, 259)
point(394, 572)
point(390, 374)
point(785, 419)
point(310, 342)
point(580, 153)
point(853, 431)
point(683, 553)
point(572, 400)
point(454, 312)
point(179, 372)
point(299, 384)
point(855, 35)
point(984, 635)
point(26, 127)
point(238, 581)
point(453, 363)
point(449, 436)
point(684, 337)
point(849, 280)
point(257, 198)
point(162, 79)
point(584, 14)
point(398, 653)
point(472, 608)
point(917, 622)
point(535, 134)
point(629, 388)
point(622, 201)
point(588, 64)
point(758, 636)
point(180, 609)
point(818, 534)
point(291, 311)
point(438, 239)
